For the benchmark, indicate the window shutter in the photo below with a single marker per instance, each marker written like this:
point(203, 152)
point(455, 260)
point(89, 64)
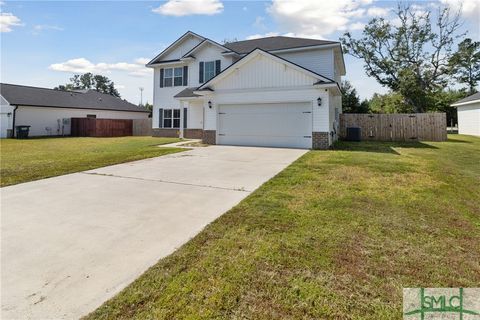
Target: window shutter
point(161, 79)
point(184, 118)
point(200, 75)
point(217, 67)
point(185, 75)
point(160, 117)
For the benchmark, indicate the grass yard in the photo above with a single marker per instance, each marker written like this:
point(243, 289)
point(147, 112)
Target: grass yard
point(336, 235)
point(33, 159)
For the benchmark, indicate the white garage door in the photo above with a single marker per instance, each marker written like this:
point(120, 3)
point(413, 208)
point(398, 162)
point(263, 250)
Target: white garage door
point(266, 125)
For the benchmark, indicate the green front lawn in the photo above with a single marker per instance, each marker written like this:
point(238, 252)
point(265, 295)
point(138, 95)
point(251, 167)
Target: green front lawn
point(33, 159)
point(336, 235)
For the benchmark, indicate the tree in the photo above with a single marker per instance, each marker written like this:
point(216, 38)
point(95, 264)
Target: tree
point(409, 57)
point(88, 81)
point(148, 106)
point(351, 101)
point(391, 102)
point(442, 100)
point(465, 64)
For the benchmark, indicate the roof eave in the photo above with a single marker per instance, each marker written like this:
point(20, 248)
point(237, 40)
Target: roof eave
point(151, 62)
point(460, 104)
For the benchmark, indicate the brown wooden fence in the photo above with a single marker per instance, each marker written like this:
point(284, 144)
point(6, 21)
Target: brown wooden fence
point(397, 127)
point(142, 127)
point(91, 127)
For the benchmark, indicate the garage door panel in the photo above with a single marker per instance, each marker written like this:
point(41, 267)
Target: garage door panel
point(278, 125)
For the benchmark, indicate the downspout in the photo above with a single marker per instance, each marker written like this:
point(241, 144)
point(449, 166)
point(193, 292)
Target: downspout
point(13, 121)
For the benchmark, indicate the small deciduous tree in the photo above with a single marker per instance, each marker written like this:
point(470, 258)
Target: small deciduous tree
point(391, 102)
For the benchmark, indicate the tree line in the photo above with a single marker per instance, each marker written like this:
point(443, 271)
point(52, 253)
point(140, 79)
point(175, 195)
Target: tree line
point(90, 81)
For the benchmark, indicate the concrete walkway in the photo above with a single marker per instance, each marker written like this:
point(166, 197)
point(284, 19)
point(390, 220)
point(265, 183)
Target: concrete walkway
point(71, 242)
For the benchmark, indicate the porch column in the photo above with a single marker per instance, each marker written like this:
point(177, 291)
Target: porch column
point(182, 106)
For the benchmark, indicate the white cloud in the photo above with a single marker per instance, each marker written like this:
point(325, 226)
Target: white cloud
point(7, 21)
point(258, 35)
point(356, 26)
point(259, 23)
point(317, 19)
point(42, 27)
point(378, 11)
point(469, 9)
point(179, 8)
point(82, 65)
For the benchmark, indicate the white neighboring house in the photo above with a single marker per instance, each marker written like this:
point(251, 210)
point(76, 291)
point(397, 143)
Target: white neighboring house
point(468, 111)
point(49, 111)
point(275, 91)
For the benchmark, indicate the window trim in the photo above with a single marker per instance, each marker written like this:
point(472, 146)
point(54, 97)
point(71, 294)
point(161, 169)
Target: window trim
point(172, 118)
point(173, 77)
point(205, 70)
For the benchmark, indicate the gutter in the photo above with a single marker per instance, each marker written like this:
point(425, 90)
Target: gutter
point(13, 121)
point(464, 103)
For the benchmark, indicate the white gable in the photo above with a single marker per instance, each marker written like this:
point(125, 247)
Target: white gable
point(264, 72)
point(181, 48)
point(207, 52)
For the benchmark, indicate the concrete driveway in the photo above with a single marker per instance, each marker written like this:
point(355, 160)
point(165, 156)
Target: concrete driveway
point(71, 242)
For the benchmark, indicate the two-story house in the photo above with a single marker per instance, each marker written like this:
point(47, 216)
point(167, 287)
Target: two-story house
point(275, 91)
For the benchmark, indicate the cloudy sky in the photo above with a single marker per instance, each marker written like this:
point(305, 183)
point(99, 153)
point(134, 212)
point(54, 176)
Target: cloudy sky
point(43, 43)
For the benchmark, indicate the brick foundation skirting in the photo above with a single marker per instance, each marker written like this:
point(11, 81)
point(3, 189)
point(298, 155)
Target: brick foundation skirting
point(167, 133)
point(209, 136)
point(193, 133)
point(320, 140)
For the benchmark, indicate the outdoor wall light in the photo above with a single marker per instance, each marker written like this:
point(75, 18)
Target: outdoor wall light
point(210, 104)
point(319, 101)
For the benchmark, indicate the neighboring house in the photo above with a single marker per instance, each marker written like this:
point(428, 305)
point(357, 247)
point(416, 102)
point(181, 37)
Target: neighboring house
point(275, 91)
point(49, 111)
point(468, 111)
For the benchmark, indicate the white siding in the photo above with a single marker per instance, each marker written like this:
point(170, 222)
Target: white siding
point(6, 117)
point(180, 49)
point(264, 72)
point(469, 119)
point(207, 52)
point(163, 97)
point(319, 61)
point(39, 118)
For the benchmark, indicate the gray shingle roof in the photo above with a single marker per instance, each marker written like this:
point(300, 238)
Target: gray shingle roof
point(274, 43)
point(473, 97)
point(43, 97)
point(186, 93)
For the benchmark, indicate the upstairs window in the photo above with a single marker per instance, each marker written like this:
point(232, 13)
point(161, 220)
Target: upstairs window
point(173, 77)
point(168, 77)
point(209, 72)
point(178, 77)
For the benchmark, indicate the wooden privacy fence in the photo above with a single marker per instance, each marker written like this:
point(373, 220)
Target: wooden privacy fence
point(92, 127)
point(142, 127)
point(397, 127)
